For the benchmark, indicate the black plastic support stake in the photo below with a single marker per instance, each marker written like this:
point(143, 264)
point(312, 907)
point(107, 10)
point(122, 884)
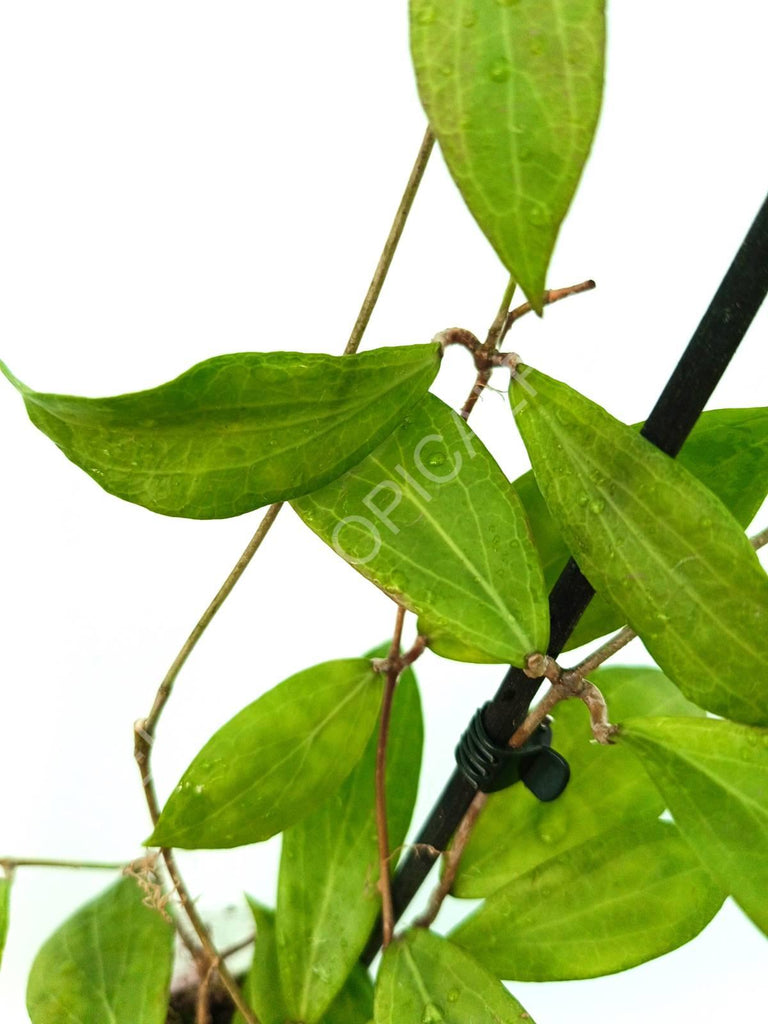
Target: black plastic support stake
point(682, 401)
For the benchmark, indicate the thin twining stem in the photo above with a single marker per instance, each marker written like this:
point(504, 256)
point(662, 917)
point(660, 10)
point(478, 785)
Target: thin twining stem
point(9, 864)
point(382, 831)
point(385, 260)
point(553, 295)
point(145, 729)
point(759, 539)
point(451, 860)
point(493, 339)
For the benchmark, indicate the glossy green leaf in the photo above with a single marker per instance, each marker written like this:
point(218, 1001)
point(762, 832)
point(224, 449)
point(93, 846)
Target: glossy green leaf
point(262, 989)
point(263, 992)
point(425, 979)
point(628, 896)
point(276, 760)
point(656, 542)
point(512, 92)
point(607, 787)
point(354, 1004)
point(432, 520)
point(111, 961)
point(714, 778)
point(327, 893)
point(5, 906)
point(727, 450)
point(237, 431)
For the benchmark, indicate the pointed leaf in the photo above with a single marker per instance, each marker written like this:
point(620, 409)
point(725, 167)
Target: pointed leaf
point(432, 520)
point(262, 986)
point(111, 961)
point(237, 431)
point(512, 92)
point(327, 893)
point(607, 788)
point(272, 763)
point(5, 906)
point(714, 777)
point(652, 539)
point(425, 979)
point(727, 450)
point(634, 894)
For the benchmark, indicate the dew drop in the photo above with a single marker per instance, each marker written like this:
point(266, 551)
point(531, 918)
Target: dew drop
point(446, 70)
point(432, 1014)
point(584, 500)
point(453, 995)
point(436, 459)
point(537, 46)
point(500, 70)
point(537, 214)
point(705, 523)
point(597, 506)
point(427, 15)
point(524, 154)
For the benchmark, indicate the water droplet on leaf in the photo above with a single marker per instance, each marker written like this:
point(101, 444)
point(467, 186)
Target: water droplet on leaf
point(432, 1014)
point(597, 506)
point(500, 70)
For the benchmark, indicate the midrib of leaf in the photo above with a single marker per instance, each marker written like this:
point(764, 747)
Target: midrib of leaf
point(324, 903)
point(94, 922)
point(416, 974)
point(559, 20)
point(683, 584)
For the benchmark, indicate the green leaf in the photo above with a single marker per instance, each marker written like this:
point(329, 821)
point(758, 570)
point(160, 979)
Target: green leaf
point(354, 1004)
point(607, 787)
point(714, 777)
point(5, 907)
point(727, 450)
point(237, 431)
point(633, 894)
point(276, 760)
point(327, 893)
point(432, 520)
point(512, 92)
point(111, 961)
point(656, 542)
point(425, 979)
point(262, 989)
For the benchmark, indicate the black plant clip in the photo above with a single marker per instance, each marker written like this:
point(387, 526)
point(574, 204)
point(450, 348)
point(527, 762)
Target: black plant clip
point(490, 767)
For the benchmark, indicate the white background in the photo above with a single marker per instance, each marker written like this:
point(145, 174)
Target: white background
point(182, 180)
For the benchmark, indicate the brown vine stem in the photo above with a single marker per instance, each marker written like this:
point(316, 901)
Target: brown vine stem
point(385, 260)
point(760, 539)
point(550, 296)
point(451, 860)
point(393, 669)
